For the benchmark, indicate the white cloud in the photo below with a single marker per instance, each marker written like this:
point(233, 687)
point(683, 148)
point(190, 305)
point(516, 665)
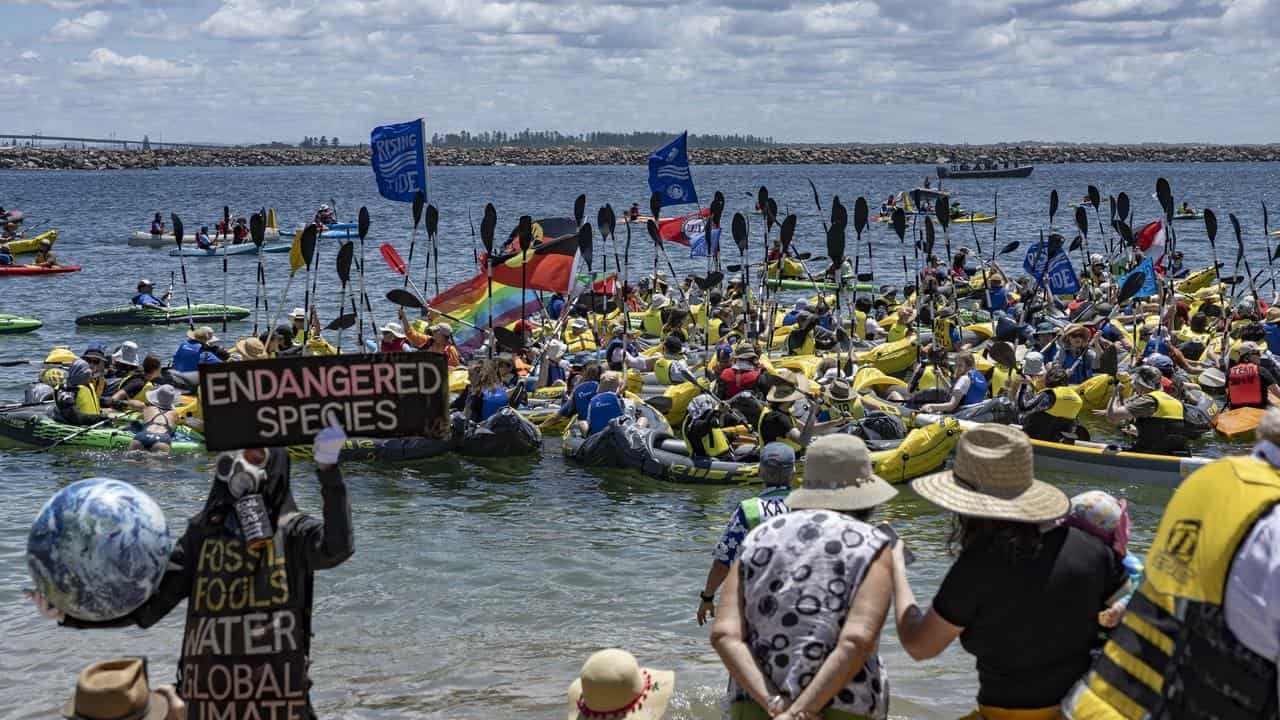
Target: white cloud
point(104, 64)
point(157, 25)
point(256, 20)
point(29, 55)
point(81, 29)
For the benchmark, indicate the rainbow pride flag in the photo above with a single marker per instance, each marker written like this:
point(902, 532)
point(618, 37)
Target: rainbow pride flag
point(469, 300)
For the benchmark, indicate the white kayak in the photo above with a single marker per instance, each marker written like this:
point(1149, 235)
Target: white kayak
point(143, 239)
point(216, 252)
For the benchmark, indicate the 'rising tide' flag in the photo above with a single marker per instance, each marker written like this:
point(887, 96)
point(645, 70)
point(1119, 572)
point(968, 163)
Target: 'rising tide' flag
point(400, 159)
point(669, 173)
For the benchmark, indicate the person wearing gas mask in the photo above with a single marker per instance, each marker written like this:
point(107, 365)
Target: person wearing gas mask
point(246, 567)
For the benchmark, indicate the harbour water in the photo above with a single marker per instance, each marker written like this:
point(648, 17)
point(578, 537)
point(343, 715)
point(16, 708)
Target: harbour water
point(478, 587)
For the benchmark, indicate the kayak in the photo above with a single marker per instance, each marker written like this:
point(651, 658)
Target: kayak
point(975, 218)
point(341, 231)
point(37, 427)
point(505, 434)
point(176, 315)
point(1188, 216)
point(1099, 460)
point(143, 239)
point(1238, 424)
point(793, 284)
point(31, 244)
point(12, 324)
point(37, 269)
point(217, 252)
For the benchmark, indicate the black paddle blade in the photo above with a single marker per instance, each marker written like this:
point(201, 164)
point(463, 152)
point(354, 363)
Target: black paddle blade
point(839, 213)
point(740, 232)
point(1132, 285)
point(1165, 195)
point(1122, 207)
point(508, 339)
point(788, 232)
point(835, 244)
point(772, 216)
point(346, 254)
point(1002, 353)
point(900, 223)
point(524, 232)
point(585, 244)
point(860, 214)
point(342, 322)
point(1053, 205)
point(1126, 232)
point(419, 200)
point(433, 220)
point(602, 222)
point(1266, 224)
point(733, 268)
point(717, 209)
point(762, 200)
point(1095, 197)
point(1112, 200)
point(1210, 225)
point(1234, 280)
point(929, 237)
point(487, 225)
point(308, 244)
point(403, 298)
point(652, 227)
point(362, 223)
point(580, 208)
point(258, 229)
point(1056, 242)
point(226, 215)
point(1013, 245)
point(1076, 243)
point(655, 205)
point(942, 210)
point(1082, 220)
point(1235, 225)
point(713, 279)
point(612, 219)
point(1109, 360)
point(177, 228)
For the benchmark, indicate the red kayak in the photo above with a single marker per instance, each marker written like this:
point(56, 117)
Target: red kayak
point(36, 269)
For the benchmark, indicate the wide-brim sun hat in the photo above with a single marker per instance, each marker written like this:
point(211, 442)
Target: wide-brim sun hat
point(838, 390)
point(613, 685)
point(203, 334)
point(164, 397)
point(116, 688)
point(790, 386)
point(251, 348)
point(839, 475)
point(746, 351)
point(393, 328)
point(127, 354)
point(993, 476)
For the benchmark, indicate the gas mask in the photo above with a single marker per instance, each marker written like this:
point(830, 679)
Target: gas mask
point(246, 481)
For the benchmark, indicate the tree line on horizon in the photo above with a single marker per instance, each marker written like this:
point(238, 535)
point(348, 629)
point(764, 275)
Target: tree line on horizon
point(554, 138)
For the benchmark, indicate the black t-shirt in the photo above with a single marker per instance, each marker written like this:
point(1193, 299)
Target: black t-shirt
point(1032, 624)
point(775, 426)
point(133, 386)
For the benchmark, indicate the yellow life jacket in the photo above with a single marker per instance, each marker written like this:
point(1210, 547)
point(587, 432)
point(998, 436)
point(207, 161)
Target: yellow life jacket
point(784, 439)
point(1167, 406)
point(662, 371)
point(1067, 403)
point(1173, 654)
point(88, 400)
point(942, 334)
point(713, 331)
point(714, 444)
point(844, 409)
point(897, 331)
point(651, 322)
point(860, 324)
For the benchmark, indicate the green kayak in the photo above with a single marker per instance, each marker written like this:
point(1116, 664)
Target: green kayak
point(801, 284)
point(176, 315)
point(35, 427)
point(12, 324)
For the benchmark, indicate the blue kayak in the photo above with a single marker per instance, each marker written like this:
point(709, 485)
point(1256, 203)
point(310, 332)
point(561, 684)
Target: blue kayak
point(244, 249)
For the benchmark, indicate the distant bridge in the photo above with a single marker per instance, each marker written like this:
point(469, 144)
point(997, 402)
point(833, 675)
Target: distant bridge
point(124, 144)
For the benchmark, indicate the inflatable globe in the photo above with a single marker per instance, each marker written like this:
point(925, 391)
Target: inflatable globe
point(98, 549)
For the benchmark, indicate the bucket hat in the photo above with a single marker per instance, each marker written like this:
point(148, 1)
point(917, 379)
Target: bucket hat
point(838, 475)
point(613, 685)
point(116, 689)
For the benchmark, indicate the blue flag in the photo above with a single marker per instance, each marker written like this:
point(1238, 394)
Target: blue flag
point(1148, 269)
point(1061, 279)
point(669, 173)
point(400, 159)
point(698, 244)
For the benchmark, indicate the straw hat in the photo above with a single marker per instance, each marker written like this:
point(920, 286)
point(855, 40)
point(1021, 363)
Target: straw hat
point(838, 391)
point(393, 328)
point(127, 354)
point(992, 477)
point(1075, 329)
point(838, 476)
point(996, 281)
point(870, 377)
point(203, 334)
point(116, 689)
point(789, 386)
point(163, 397)
point(1273, 314)
point(250, 348)
point(613, 685)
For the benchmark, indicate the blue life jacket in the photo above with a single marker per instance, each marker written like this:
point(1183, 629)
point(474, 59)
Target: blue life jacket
point(1154, 346)
point(999, 299)
point(555, 374)
point(790, 318)
point(143, 299)
point(603, 408)
point(1050, 353)
point(578, 400)
point(1082, 369)
point(494, 400)
point(1273, 336)
point(555, 307)
point(977, 388)
point(824, 321)
point(6, 259)
point(188, 356)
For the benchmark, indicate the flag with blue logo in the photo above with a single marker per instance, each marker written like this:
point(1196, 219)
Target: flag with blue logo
point(698, 244)
point(1061, 277)
point(400, 159)
point(669, 173)
point(1148, 269)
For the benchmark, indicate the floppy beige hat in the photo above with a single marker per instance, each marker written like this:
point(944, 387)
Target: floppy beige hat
point(613, 685)
point(789, 386)
point(116, 689)
point(993, 477)
point(838, 475)
point(250, 348)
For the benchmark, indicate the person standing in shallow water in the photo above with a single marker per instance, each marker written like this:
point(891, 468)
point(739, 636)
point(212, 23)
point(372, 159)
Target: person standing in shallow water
point(1024, 603)
point(798, 624)
point(246, 566)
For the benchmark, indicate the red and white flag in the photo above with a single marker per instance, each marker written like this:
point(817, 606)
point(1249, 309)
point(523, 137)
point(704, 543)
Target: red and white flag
point(1151, 239)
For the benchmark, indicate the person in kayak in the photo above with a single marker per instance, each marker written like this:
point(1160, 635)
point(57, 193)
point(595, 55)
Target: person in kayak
point(634, 212)
point(246, 566)
point(620, 345)
point(45, 257)
point(777, 472)
point(157, 229)
point(199, 348)
point(324, 217)
point(6, 257)
point(133, 387)
point(240, 233)
point(742, 375)
point(79, 400)
point(1074, 354)
point(1250, 383)
point(996, 298)
point(202, 239)
point(393, 338)
point(146, 297)
point(776, 422)
point(1023, 600)
point(159, 417)
point(702, 431)
point(1158, 416)
point(968, 388)
point(946, 332)
point(1048, 408)
point(1176, 270)
point(579, 398)
point(487, 394)
point(605, 405)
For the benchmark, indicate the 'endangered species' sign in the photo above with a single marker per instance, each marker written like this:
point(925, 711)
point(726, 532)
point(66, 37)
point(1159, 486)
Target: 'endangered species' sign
point(264, 403)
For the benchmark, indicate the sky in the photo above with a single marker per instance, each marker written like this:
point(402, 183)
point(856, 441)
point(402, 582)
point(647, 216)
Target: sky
point(955, 71)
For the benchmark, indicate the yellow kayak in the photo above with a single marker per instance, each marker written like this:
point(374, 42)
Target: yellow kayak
point(974, 218)
point(31, 244)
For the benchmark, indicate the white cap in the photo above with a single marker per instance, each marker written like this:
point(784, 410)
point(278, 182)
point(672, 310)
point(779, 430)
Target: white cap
point(298, 313)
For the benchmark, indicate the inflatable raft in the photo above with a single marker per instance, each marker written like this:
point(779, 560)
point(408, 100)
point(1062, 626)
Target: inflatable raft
point(175, 315)
point(506, 434)
point(36, 427)
point(31, 244)
point(12, 324)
